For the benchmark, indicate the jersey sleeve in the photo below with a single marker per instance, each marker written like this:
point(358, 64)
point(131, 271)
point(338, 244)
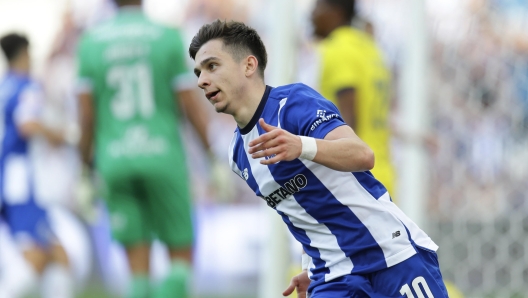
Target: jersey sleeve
point(85, 71)
point(30, 105)
point(182, 78)
point(307, 113)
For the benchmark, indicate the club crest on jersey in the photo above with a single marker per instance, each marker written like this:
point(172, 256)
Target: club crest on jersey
point(289, 188)
point(245, 174)
point(322, 118)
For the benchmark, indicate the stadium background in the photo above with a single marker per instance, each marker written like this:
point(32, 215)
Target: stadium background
point(474, 114)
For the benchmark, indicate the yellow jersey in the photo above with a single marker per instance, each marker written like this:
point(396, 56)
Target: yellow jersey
point(351, 59)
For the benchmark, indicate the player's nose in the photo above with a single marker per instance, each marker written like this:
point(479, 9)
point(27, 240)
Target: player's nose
point(203, 81)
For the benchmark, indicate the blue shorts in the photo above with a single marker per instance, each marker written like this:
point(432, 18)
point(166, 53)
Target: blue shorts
point(28, 223)
point(420, 274)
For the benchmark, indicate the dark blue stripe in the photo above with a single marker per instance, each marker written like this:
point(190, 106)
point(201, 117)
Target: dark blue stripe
point(320, 270)
point(353, 238)
point(370, 184)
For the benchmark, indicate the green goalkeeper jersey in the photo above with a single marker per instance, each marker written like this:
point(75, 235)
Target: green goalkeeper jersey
point(133, 66)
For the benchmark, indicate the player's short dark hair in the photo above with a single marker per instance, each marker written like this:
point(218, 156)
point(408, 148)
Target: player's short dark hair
point(347, 7)
point(12, 44)
point(237, 37)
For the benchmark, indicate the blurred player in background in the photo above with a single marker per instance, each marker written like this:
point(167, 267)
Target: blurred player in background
point(131, 72)
point(355, 78)
point(21, 100)
point(294, 150)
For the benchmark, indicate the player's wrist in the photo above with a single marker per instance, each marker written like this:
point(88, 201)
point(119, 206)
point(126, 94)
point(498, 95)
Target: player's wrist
point(309, 148)
point(305, 261)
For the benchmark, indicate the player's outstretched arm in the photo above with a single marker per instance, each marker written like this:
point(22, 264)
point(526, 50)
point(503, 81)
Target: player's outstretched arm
point(33, 128)
point(300, 283)
point(86, 115)
point(196, 113)
point(341, 150)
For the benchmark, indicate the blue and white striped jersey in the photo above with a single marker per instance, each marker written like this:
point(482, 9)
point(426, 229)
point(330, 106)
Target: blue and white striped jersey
point(20, 102)
point(345, 221)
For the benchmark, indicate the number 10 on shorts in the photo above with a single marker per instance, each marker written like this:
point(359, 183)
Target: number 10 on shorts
point(419, 286)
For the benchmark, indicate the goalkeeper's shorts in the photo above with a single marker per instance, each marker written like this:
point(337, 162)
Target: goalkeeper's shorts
point(148, 205)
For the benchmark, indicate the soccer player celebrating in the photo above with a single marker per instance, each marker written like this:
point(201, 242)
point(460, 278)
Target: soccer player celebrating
point(131, 70)
point(22, 99)
point(294, 150)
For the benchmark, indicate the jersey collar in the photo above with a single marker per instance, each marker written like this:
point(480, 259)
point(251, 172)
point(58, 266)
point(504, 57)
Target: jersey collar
point(258, 112)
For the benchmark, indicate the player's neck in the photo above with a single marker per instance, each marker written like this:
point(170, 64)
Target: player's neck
point(251, 100)
point(338, 23)
point(19, 67)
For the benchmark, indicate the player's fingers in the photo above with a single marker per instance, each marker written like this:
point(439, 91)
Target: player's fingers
point(267, 127)
point(263, 146)
point(290, 288)
point(264, 138)
point(275, 159)
point(266, 152)
point(258, 147)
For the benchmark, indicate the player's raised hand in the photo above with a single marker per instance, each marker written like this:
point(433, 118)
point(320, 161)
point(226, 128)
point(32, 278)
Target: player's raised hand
point(300, 283)
point(276, 144)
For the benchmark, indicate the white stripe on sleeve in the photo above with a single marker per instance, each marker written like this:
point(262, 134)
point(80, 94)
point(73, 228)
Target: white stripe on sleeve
point(30, 105)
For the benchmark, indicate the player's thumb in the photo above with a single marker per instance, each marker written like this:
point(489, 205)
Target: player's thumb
point(265, 125)
point(290, 288)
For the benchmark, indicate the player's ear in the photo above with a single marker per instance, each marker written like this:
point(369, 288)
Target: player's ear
point(251, 65)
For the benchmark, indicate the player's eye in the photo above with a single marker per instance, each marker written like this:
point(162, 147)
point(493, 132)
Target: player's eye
point(212, 66)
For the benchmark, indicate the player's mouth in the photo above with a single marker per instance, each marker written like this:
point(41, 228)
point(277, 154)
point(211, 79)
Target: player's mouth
point(212, 95)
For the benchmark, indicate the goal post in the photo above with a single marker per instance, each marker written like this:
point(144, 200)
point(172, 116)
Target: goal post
point(413, 176)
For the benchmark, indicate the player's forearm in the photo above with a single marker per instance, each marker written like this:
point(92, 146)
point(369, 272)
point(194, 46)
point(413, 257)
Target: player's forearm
point(199, 123)
point(85, 143)
point(33, 129)
point(86, 116)
point(86, 140)
point(346, 155)
point(196, 114)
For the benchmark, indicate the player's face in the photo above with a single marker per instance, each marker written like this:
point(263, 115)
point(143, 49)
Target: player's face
point(24, 58)
point(220, 76)
point(320, 17)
